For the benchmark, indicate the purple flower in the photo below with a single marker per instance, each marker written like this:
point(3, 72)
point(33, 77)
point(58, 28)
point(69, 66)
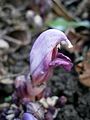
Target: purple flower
point(28, 116)
point(25, 90)
point(44, 55)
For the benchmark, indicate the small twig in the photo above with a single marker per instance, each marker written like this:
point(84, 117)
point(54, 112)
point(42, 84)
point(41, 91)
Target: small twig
point(10, 39)
point(61, 11)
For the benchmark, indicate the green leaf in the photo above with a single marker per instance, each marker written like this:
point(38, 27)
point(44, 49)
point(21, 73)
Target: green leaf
point(62, 24)
point(85, 24)
point(7, 99)
point(59, 23)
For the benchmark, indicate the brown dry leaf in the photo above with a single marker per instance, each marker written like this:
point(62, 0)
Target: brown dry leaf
point(79, 67)
point(19, 37)
point(60, 10)
point(16, 37)
point(76, 39)
point(85, 76)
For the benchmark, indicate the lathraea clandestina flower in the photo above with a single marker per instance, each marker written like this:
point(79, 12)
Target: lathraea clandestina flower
point(44, 55)
point(28, 116)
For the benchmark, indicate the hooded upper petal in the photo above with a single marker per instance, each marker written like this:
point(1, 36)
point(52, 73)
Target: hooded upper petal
point(42, 52)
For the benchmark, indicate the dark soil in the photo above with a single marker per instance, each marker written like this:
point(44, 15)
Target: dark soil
point(16, 24)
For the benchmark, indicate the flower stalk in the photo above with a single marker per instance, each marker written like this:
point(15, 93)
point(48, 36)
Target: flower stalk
point(44, 57)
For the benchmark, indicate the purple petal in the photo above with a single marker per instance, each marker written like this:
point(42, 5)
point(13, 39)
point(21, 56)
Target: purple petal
point(44, 44)
point(25, 90)
point(21, 87)
point(42, 51)
point(62, 61)
point(28, 116)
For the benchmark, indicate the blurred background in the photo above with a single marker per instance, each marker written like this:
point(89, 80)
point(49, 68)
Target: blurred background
point(21, 21)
